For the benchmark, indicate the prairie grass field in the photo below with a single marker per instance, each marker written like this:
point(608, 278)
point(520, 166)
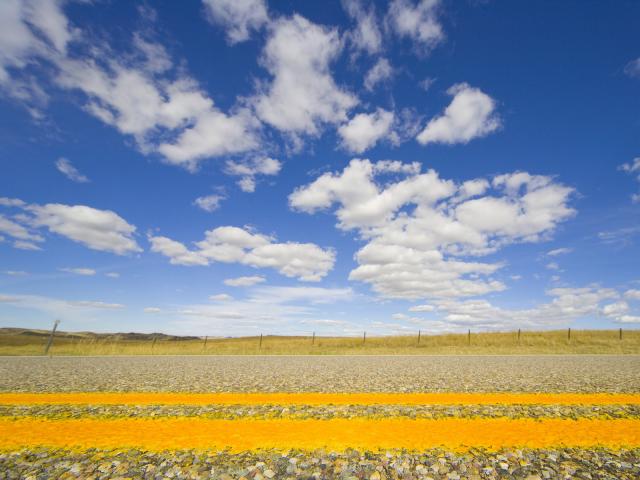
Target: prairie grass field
point(30, 342)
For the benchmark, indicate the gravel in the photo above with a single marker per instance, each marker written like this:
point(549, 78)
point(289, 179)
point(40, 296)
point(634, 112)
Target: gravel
point(350, 465)
point(584, 373)
point(320, 412)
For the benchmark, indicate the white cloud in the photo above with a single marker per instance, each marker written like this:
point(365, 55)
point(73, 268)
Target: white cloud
point(414, 227)
point(417, 20)
point(97, 229)
point(79, 311)
point(244, 281)
point(79, 271)
point(471, 114)
point(15, 230)
point(364, 130)
point(305, 261)
point(622, 236)
point(615, 309)
point(221, 297)
point(303, 95)
point(15, 273)
point(313, 295)
point(633, 68)
point(112, 274)
point(632, 168)
point(552, 266)
point(152, 310)
point(422, 308)
point(380, 72)
point(366, 36)
point(23, 245)
point(237, 17)
point(559, 251)
point(250, 168)
point(30, 28)
point(65, 167)
point(632, 294)
point(100, 305)
point(209, 203)
point(11, 202)
point(176, 251)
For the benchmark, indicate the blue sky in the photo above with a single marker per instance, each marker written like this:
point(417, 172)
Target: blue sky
point(230, 168)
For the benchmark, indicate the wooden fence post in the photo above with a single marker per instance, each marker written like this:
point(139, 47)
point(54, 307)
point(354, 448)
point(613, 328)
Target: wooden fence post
point(620, 336)
point(364, 338)
point(204, 347)
point(313, 338)
point(518, 336)
point(419, 332)
point(155, 338)
point(569, 334)
point(260, 345)
point(53, 332)
point(469, 337)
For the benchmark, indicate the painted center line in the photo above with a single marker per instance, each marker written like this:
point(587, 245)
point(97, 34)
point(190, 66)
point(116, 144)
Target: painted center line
point(337, 434)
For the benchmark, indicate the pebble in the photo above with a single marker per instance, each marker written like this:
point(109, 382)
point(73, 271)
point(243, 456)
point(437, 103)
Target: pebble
point(97, 464)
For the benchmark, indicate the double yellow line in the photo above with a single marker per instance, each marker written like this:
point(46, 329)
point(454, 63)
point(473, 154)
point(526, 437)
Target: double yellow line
point(169, 433)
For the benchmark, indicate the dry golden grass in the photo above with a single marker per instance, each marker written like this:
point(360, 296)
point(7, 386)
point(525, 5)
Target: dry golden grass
point(541, 342)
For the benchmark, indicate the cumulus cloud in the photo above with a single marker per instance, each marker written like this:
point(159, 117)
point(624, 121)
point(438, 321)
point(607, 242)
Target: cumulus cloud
point(380, 72)
point(415, 227)
point(65, 167)
point(366, 35)
point(244, 281)
point(249, 169)
point(418, 21)
point(237, 17)
point(305, 261)
point(97, 229)
point(209, 203)
point(471, 114)
point(364, 130)
point(302, 96)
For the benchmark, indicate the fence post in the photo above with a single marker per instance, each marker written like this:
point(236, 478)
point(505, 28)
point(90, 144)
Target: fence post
point(205, 342)
point(260, 345)
point(569, 334)
point(364, 338)
point(518, 336)
point(155, 338)
point(469, 337)
point(53, 332)
point(620, 334)
point(419, 332)
point(313, 338)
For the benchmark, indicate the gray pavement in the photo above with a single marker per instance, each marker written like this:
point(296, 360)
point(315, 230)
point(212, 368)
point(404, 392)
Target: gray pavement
point(583, 373)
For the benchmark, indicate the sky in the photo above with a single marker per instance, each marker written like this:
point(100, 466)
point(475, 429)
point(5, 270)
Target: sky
point(227, 167)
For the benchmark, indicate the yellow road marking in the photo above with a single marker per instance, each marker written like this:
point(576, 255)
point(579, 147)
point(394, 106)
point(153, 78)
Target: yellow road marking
point(159, 398)
point(338, 434)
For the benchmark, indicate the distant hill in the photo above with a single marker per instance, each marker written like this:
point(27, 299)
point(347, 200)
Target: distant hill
point(30, 332)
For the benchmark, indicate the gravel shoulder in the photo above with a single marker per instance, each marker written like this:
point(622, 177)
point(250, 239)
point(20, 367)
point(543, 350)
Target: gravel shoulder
point(585, 373)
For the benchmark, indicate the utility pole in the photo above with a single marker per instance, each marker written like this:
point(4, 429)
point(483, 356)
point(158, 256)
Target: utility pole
point(53, 332)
